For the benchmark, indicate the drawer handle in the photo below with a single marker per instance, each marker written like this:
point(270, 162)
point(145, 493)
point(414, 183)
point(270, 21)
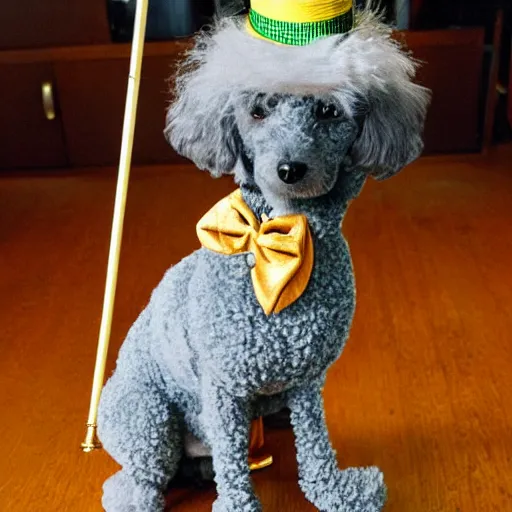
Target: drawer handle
point(48, 103)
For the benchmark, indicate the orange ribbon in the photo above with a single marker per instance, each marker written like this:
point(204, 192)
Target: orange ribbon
point(257, 458)
point(282, 247)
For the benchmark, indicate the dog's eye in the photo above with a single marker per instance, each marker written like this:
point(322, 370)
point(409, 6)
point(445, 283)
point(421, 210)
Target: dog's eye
point(258, 112)
point(272, 102)
point(327, 111)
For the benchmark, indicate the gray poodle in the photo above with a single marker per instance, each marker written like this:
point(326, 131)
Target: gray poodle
point(300, 128)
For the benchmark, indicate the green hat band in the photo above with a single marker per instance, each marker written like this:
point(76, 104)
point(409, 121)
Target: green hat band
point(300, 34)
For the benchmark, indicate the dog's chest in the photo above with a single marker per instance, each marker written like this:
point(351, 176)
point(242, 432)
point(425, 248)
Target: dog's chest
point(266, 354)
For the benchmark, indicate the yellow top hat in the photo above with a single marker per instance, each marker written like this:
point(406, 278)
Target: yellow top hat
point(300, 22)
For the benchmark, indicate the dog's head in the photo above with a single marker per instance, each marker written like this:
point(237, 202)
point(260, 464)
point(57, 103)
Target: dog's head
point(290, 118)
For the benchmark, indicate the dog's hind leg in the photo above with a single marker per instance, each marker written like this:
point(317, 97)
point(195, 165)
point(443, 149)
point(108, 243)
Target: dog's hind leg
point(328, 488)
point(140, 428)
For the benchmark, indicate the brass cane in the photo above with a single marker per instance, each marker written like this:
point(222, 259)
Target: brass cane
point(91, 442)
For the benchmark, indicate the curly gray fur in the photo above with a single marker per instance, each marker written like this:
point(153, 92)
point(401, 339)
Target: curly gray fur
point(202, 358)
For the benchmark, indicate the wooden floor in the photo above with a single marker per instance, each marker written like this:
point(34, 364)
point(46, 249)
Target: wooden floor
point(424, 388)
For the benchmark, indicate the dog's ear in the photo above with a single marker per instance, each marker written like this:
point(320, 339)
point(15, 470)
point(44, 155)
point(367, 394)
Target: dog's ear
point(203, 131)
point(391, 134)
point(200, 123)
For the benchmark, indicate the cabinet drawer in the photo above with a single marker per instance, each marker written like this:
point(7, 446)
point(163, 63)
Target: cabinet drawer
point(27, 137)
point(451, 65)
point(92, 99)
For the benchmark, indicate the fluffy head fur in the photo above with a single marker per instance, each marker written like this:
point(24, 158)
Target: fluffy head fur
point(365, 74)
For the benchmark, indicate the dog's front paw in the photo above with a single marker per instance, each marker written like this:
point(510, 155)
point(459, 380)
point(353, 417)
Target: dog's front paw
point(237, 503)
point(122, 494)
point(351, 490)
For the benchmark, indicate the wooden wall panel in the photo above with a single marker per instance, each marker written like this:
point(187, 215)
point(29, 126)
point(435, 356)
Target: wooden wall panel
point(37, 23)
point(415, 11)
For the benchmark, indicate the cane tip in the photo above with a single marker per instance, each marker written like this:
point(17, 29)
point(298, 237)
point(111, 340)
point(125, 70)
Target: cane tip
point(91, 442)
point(88, 448)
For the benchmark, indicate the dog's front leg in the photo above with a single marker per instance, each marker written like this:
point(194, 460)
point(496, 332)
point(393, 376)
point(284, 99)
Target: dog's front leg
point(328, 488)
point(227, 421)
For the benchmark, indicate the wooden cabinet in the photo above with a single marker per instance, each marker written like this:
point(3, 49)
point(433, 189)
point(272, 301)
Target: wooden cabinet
point(38, 24)
point(27, 137)
point(89, 84)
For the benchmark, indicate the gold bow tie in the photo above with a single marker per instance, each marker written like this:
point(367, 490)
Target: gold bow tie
point(283, 249)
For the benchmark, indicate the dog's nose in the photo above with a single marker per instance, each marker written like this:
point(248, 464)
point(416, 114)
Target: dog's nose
point(292, 172)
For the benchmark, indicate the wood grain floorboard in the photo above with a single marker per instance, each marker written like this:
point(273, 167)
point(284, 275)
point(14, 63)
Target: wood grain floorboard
point(423, 389)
